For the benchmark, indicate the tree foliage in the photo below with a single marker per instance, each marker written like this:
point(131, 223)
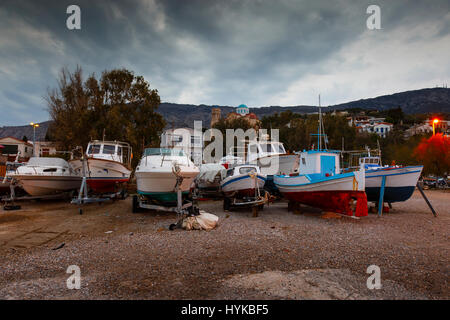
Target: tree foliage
point(118, 106)
point(434, 154)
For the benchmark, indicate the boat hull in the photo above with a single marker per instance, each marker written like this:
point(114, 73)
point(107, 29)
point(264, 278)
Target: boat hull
point(400, 183)
point(48, 185)
point(160, 185)
point(342, 193)
point(242, 185)
point(104, 175)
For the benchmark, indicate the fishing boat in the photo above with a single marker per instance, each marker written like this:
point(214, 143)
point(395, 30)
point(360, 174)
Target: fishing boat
point(243, 181)
point(398, 182)
point(158, 171)
point(108, 165)
point(46, 176)
point(320, 182)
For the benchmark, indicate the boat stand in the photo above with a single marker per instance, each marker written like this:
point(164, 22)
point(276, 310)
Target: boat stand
point(381, 200)
point(84, 198)
point(426, 199)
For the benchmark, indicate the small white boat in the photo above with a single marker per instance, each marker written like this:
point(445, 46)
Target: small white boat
point(399, 182)
point(321, 184)
point(108, 165)
point(243, 181)
point(157, 172)
point(46, 176)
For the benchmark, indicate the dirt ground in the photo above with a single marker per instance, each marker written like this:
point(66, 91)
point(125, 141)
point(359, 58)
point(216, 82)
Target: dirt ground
point(277, 255)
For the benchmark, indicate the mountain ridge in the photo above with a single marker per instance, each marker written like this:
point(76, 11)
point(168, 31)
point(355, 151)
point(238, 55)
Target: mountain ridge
point(427, 100)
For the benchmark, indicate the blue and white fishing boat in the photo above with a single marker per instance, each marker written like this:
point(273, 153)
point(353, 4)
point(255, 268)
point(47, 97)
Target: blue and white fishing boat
point(321, 184)
point(243, 181)
point(397, 182)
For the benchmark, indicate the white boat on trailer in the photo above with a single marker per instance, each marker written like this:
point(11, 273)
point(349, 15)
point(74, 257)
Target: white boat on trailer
point(244, 186)
point(161, 173)
point(43, 176)
point(243, 180)
point(108, 165)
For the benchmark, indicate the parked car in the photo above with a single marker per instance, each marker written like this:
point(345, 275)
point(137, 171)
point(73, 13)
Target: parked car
point(435, 182)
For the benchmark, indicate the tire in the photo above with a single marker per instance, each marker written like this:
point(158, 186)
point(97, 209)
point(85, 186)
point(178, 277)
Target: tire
point(226, 204)
point(135, 205)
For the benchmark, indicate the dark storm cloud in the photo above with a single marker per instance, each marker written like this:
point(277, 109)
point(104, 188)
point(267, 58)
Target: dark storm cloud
point(218, 52)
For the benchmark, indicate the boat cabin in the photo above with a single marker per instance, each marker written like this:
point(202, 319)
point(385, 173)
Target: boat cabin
point(318, 162)
point(110, 150)
point(256, 150)
point(369, 162)
point(242, 169)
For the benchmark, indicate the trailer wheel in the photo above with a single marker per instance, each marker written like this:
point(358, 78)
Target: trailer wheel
point(226, 204)
point(135, 205)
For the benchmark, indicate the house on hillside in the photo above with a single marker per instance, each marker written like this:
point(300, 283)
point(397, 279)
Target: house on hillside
point(13, 146)
point(241, 112)
point(383, 128)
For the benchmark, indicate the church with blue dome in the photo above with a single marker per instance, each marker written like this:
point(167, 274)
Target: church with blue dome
point(242, 110)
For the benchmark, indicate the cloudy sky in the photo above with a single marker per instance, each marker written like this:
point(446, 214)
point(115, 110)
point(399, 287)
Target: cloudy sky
point(226, 52)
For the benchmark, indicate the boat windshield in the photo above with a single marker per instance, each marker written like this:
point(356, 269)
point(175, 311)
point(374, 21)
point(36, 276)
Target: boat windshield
point(164, 152)
point(109, 149)
point(94, 149)
point(278, 147)
point(243, 170)
point(266, 147)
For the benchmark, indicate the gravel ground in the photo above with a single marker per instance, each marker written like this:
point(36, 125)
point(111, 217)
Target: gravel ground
point(277, 255)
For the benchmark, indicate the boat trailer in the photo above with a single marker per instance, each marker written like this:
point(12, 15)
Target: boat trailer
point(9, 201)
point(189, 208)
point(256, 202)
point(83, 195)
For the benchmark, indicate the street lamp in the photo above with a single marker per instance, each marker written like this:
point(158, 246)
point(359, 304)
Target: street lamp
point(34, 125)
point(435, 121)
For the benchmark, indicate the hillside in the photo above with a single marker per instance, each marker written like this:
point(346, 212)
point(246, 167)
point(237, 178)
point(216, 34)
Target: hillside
point(416, 101)
point(183, 115)
point(27, 130)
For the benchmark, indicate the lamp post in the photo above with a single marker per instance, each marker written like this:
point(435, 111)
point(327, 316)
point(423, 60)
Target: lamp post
point(34, 125)
point(435, 121)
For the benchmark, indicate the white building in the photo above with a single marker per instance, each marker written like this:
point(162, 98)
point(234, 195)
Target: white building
point(383, 128)
point(13, 145)
point(185, 139)
point(44, 148)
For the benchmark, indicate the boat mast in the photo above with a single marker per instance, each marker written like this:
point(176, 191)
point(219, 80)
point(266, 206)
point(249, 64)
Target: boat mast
point(320, 127)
